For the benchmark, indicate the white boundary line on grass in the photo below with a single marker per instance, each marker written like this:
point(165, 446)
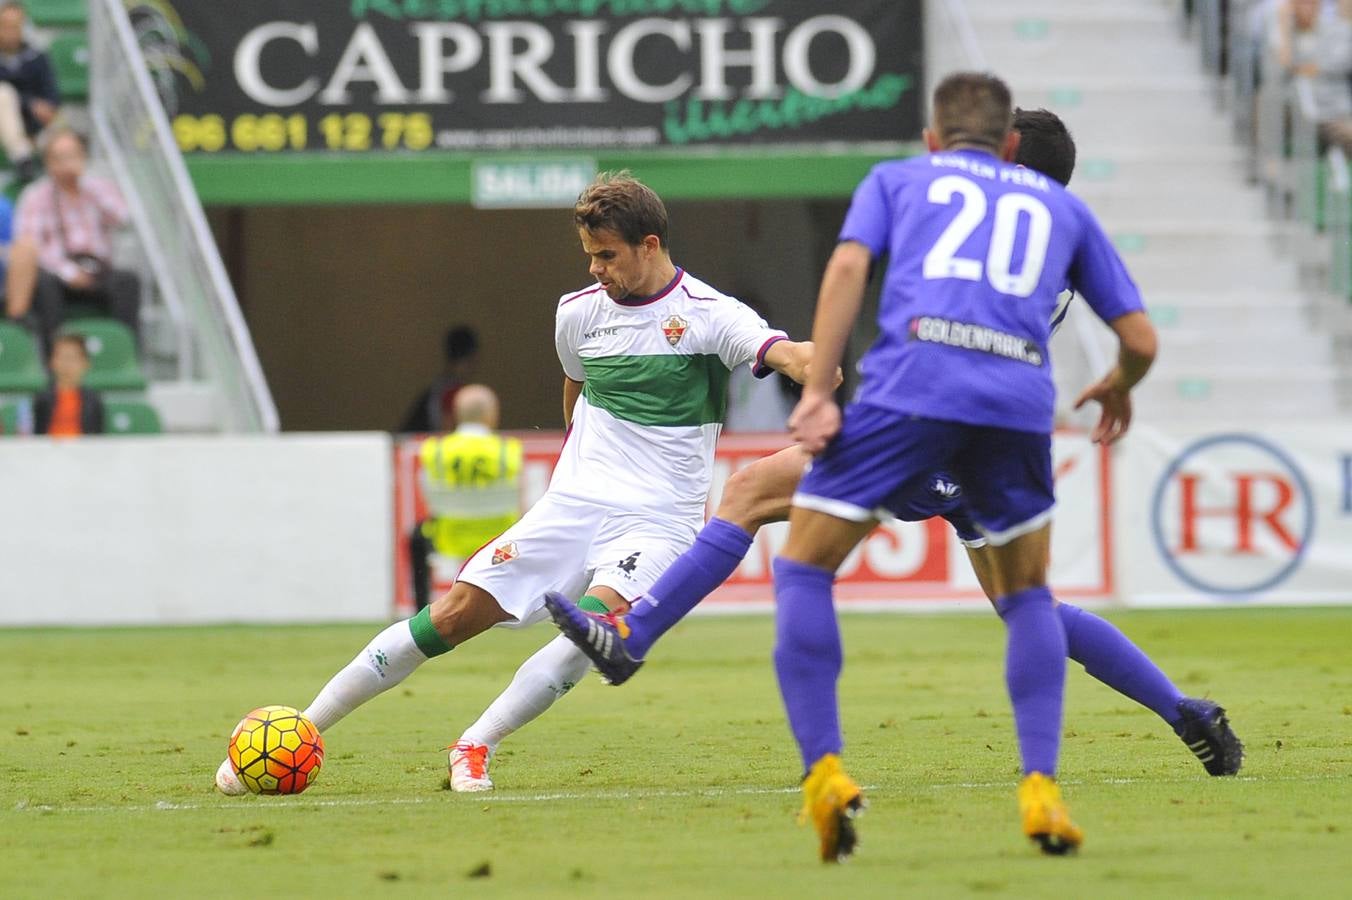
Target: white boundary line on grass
point(604, 795)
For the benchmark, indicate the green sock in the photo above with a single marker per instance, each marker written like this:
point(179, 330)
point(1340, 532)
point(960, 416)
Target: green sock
point(592, 605)
point(425, 634)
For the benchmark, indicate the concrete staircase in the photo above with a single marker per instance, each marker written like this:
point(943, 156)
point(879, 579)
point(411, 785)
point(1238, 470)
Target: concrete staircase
point(1159, 164)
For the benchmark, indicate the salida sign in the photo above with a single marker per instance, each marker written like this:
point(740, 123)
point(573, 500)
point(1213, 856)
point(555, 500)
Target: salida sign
point(279, 75)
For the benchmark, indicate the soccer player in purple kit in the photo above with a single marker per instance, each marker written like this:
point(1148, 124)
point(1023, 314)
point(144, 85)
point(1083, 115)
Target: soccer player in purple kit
point(958, 379)
point(762, 493)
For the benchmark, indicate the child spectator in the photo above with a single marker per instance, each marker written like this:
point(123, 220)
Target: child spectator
point(68, 409)
point(28, 94)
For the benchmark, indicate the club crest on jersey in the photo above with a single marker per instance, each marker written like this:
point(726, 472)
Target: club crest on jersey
point(505, 552)
point(674, 329)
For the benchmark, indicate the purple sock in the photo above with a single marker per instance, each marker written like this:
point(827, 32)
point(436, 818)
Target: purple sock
point(808, 656)
point(718, 549)
point(1111, 657)
point(1035, 673)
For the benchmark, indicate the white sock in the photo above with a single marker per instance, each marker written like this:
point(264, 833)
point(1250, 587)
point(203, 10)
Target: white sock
point(541, 680)
point(390, 658)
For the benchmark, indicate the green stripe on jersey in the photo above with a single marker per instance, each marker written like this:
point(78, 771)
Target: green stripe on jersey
point(668, 390)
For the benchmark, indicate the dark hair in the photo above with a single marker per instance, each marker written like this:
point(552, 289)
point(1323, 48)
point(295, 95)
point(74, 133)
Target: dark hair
point(1045, 144)
point(460, 342)
point(75, 340)
point(619, 202)
point(972, 108)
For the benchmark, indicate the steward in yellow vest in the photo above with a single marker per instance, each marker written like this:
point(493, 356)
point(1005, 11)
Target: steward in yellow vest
point(470, 482)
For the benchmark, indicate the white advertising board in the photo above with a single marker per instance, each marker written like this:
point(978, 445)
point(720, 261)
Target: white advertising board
point(177, 530)
point(1208, 517)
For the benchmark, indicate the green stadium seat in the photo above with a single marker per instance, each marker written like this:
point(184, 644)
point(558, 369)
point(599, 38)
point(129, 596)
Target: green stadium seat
point(70, 58)
point(112, 353)
point(9, 420)
point(130, 417)
point(50, 13)
point(21, 369)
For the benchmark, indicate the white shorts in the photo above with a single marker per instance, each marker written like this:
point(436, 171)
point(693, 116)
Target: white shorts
point(564, 544)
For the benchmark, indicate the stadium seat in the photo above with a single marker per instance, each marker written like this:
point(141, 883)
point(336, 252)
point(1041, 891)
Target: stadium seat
point(21, 369)
point(70, 58)
point(130, 417)
point(9, 420)
point(49, 13)
point(112, 353)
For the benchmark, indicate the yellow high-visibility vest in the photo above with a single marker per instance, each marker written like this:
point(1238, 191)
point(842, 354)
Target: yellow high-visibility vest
point(470, 480)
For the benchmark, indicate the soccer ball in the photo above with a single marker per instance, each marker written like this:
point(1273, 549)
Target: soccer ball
point(276, 750)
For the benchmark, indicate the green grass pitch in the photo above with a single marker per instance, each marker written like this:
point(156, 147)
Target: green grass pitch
point(681, 784)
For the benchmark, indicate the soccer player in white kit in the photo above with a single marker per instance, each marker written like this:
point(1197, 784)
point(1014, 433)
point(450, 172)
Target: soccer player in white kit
point(646, 353)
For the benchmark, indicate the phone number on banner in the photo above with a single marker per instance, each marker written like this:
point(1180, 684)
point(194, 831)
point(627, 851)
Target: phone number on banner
point(275, 133)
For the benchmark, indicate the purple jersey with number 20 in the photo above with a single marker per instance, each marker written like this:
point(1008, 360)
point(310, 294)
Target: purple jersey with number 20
point(979, 250)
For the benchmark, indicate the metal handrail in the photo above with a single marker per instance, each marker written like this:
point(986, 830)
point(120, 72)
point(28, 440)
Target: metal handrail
point(234, 366)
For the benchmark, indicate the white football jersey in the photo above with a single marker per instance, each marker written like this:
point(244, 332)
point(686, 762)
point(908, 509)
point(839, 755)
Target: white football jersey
point(655, 375)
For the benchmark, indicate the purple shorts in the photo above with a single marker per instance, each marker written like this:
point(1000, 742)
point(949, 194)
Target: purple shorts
point(939, 495)
point(886, 463)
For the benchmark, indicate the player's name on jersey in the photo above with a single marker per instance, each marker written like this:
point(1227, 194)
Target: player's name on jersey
point(986, 168)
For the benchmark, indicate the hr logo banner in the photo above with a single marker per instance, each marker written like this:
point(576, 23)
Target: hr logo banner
point(1233, 514)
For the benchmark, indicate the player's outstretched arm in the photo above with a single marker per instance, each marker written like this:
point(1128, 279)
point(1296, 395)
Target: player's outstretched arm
point(1137, 345)
point(796, 360)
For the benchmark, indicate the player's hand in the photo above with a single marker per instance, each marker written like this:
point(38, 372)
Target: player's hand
point(81, 281)
point(815, 420)
point(1115, 415)
point(43, 111)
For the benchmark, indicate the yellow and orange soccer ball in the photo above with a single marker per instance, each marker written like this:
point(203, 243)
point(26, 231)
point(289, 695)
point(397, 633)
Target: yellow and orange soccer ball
point(276, 750)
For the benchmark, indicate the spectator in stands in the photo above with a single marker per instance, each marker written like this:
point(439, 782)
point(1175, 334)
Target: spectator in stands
point(28, 94)
point(65, 224)
point(470, 484)
point(434, 410)
point(68, 408)
point(1313, 41)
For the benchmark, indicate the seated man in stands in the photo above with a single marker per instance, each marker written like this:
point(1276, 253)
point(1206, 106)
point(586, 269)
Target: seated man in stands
point(1315, 43)
point(65, 225)
point(28, 94)
point(67, 408)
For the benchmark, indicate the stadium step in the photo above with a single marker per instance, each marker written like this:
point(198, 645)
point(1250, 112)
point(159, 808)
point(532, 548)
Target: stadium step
point(1121, 199)
point(1274, 313)
point(1232, 393)
point(1159, 163)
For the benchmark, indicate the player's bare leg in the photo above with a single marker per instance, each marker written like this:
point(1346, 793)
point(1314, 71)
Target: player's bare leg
point(755, 496)
point(1110, 656)
point(762, 492)
point(462, 613)
point(808, 660)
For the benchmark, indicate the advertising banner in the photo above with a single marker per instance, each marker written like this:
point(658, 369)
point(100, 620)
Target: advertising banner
point(916, 565)
point(1206, 517)
point(354, 76)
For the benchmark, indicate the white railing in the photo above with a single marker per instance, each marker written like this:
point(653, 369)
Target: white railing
point(1338, 219)
point(133, 132)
